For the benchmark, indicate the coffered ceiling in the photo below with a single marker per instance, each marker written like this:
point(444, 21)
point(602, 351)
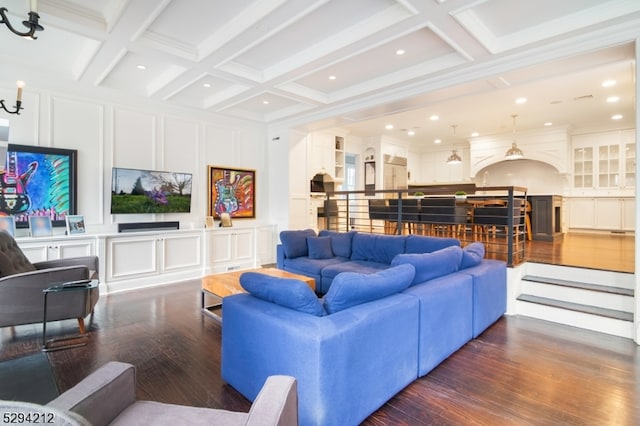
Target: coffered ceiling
point(328, 62)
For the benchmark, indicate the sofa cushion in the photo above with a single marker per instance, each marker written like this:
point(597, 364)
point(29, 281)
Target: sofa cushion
point(360, 266)
point(472, 255)
point(376, 248)
point(287, 292)
point(426, 244)
point(340, 241)
point(310, 266)
point(431, 265)
point(295, 242)
point(319, 247)
point(351, 288)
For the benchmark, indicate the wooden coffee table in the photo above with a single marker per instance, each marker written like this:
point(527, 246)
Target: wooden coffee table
point(222, 285)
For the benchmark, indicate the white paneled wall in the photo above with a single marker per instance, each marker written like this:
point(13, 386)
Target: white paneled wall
point(144, 136)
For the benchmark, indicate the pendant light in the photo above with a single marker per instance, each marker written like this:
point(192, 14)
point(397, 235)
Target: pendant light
point(514, 153)
point(454, 158)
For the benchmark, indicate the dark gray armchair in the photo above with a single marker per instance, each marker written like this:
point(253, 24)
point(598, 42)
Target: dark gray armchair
point(108, 397)
point(22, 282)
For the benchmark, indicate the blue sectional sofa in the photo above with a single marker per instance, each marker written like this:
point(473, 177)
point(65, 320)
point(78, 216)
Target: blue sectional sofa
point(393, 308)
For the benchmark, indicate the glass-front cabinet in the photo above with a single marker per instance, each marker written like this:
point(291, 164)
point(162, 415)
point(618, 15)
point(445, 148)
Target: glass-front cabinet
point(604, 161)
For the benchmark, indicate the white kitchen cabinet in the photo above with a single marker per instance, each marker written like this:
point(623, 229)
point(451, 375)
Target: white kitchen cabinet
point(154, 257)
point(230, 249)
point(602, 213)
point(41, 249)
point(605, 161)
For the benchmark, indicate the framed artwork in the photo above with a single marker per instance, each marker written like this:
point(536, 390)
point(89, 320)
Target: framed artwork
point(8, 224)
point(75, 224)
point(232, 191)
point(40, 226)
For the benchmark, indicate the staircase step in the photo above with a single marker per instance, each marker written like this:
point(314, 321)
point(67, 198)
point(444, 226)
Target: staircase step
point(584, 286)
point(593, 310)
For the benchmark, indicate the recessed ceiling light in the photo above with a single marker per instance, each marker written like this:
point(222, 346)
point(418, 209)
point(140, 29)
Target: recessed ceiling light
point(411, 133)
point(141, 67)
point(207, 85)
point(474, 134)
point(265, 102)
point(434, 118)
point(521, 100)
point(548, 123)
point(608, 83)
point(437, 141)
point(612, 99)
point(332, 77)
point(616, 117)
point(400, 52)
point(389, 126)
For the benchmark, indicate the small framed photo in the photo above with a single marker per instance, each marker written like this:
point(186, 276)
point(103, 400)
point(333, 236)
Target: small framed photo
point(8, 224)
point(40, 226)
point(225, 220)
point(75, 224)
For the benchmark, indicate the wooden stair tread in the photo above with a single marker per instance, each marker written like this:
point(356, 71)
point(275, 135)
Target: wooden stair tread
point(584, 286)
point(593, 310)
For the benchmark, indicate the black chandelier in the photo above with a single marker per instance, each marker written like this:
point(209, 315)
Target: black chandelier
point(32, 24)
point(18, 106)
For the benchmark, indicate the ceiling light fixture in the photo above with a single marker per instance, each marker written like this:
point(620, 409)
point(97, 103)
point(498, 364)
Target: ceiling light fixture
point(454, 158)
point(411, 133)
point(400, 52)
point(608, 83)
point(265, 102)
point(18, 107)
point(332, 77)
point(475, 134)
point(32, 24)
point(521, 101)
point(514, 153)
point(389, 126)
point(141, 67)
point(434, 118)
point(437, 140)
point(548, 123)
point(207, 85)
point(612, 99)
point(616, 117)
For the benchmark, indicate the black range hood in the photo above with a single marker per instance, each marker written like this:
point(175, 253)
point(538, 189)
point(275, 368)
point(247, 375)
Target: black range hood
point(322, 182)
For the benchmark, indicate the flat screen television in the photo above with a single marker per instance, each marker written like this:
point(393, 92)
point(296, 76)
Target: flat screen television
point(150, 191)
point(38, 181)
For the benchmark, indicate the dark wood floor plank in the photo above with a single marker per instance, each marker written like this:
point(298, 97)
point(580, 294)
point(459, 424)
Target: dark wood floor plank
point(520, 371)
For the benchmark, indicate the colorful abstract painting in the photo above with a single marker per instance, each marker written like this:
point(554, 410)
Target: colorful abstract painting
point(232, 191)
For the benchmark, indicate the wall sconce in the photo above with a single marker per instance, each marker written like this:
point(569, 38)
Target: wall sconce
point(18, 107)
point(32, 24)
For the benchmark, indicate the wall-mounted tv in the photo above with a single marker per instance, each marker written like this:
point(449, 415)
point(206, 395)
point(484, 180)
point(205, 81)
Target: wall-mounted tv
point(150, 191)
point(38, 181)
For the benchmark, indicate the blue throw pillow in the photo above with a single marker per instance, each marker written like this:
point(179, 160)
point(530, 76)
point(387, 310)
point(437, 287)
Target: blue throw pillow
point(340, 242)
point(351, 288)
point(295, 242)
point(472, 255)
point(287, 292)
point(319, 247)
point(431, 265)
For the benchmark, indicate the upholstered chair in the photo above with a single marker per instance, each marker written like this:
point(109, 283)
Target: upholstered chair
point(22, 284)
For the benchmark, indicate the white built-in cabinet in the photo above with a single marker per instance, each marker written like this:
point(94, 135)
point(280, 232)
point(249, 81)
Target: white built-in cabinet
point(230, 249)
point(41, 249)
point(602, 213)
point(153, 258)
point(603, 183)
point(326, 154)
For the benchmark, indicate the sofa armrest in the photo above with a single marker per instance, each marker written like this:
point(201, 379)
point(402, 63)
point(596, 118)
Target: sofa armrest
point(91, 262)
point(276, 404)
point(102, 395)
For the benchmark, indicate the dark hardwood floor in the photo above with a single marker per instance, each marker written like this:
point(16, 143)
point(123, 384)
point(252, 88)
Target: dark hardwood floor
point(520, 371)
